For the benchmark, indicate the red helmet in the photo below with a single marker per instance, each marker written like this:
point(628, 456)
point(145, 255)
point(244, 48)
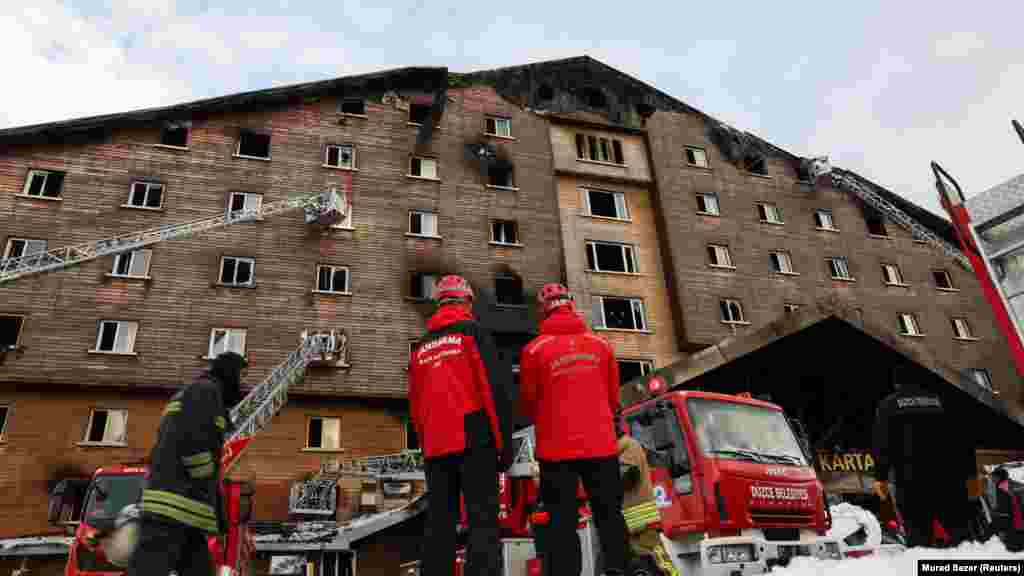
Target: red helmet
point(452, 287)
point(554, 295)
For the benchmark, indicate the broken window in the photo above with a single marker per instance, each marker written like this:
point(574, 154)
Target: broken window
point(423, 167)
point(237, 271)
point(707, 203)
point(508, 290)
point(790, 308)
point(876, 225)
point(607, 204)
point(422, 223)
point(116, 336)
point(942, 279)
point(18, 247)
point(174, 136)
point(909, 325)
point(134, 264)
point(982, 377)
point(504, 232)
point(610, 257)
point(696, 157)
point(630, 369)
point(226, 340)
point(44, 184)
point(781, 262)
point(500, 175)
point(839, 268)
point(962, 329)
point(4, 411)
point(353, 106)
point(619, 313)
point(769, 213)
point(419, 113)
point(10, 331)
point(823, 220)
point(496, 126)
point(718, 255)
point(732, 311)
point(107, 427)
point(247, 201)
point(422, 285)
point(146, 195)
point(253, 145)
point(892, 275)
point(332, 279)
point(324, 433)
point(340, 156)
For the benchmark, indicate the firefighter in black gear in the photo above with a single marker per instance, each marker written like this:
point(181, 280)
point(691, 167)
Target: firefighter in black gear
point(181, 503)
point(913, 438)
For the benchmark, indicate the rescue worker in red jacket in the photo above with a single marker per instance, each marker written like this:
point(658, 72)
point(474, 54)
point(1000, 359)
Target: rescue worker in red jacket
point(569, 388)
point(461, 407)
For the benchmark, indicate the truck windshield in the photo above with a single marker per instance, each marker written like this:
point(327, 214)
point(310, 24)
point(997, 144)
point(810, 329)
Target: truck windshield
point(744, 432)
point(110, 494)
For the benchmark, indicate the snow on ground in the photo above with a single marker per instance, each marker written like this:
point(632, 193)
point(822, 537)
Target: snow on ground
point(847, 518)
point(899, 565)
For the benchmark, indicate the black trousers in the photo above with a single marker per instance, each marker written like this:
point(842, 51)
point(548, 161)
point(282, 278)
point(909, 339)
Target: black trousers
point(167, 546)
point(921, 501)
point(474, 473)
point(601, 480)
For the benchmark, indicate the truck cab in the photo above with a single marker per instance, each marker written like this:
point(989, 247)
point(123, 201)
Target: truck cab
point(735, 489)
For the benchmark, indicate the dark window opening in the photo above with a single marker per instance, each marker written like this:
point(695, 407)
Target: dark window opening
point(174, 136)
point(594, 98)
point(545, 92)
point(622, 313)
point(146, 194)
point(942, 279)
point(581, 146)
point(10, 331)
point(421, 285)
point(3, 421)
point(332, 279)
point(508, 290)
point(45, 183)
point(504, 232)
point(314, 439)
point(607, 204)
point(254, 145)
point(98, 426)
point(876, 225)
point(630, 369)
point(108, 336)
point(731, 311)
point(592, 140)
point(608, 257)
point(419, 113)
point(500, 175)
point(617, 149)
point(355, 106)
point(756, 165)
point(236, 271)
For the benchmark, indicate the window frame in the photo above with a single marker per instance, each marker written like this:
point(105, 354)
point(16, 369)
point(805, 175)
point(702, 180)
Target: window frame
point(46, 173)
point(702, 198)
point(132, 339)
point(949, 280)
point(615, 197)
point(245, 197)
point(321, 448)
point(628, 257)
point(5, 409)
point(334, 269)
point(429, 290)
point(501, 223)
point(437, 173)
point(694, 164)
point(880, 220)
point(915, 323)
point(149, 184)
point(739, 306)
point(496, 119)
point(634, 303)
point(647, 367)
point(600, 149)
point(327, 154)
point(886, 266)
point(8, 247)
point(21, 328)
point(341, 107)
point(235, 284)
point(966, 333)
point(228, 331)
point(846, 268)
point(106, 426)
point(188, 137)
point(435, 217)
point(713, 247)
point(131, 254)
point(783, 256)
point(831, 217)
point(769, 209)
point(246, 132)
point(414, 105)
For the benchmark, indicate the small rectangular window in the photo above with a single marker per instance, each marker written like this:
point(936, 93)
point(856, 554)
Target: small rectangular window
point(423, 223)
point(4, 411)
point(134, 264)
point(353, 106)
point(116, 336)
point(696, 157)
point(617, 152)
point(340, 156)
point(504, 232)
point(419, 113)
point(592, 147)
point(909, 325)
point(237, 271)
point(607, 204)
point(839, 268)
point(422, 285)
point(247, 201)
point(226, 340)
point(501, 175)
point(982, 377)
point(324, 433)
point(892, 275)
point(10, 331)
point(732, 311)
point(44, 184)
point(707, 204)
point(718, 255)
point(962, 329)
point(876, 225)
point(769, 213)
point(146, 195)
point(610, 257)
point(581, 146)
point(174, 136)
point(781, 262)
point(19, 247)
point(498, 126)
point(619, 313)
point(630, 369)
point(823, 220)
point(107, 427)
point(942, 279)
point(253, 145)
point(332, 279)
point(423, 167)
point(508, 290)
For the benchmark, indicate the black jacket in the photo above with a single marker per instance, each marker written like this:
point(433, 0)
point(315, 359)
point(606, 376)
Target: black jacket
point(910, 432)
point(184, 470)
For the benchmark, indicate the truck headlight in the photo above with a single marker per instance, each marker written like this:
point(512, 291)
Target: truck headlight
point(730, 553)
point(832, 549)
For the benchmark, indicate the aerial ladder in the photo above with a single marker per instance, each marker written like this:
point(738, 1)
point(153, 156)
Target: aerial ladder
point(255, 411)
point(990, 226)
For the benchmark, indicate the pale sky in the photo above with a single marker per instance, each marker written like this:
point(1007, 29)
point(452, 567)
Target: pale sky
point(882, 88)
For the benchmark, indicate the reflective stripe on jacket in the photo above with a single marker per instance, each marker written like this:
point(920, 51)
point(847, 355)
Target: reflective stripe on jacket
point(641, 516)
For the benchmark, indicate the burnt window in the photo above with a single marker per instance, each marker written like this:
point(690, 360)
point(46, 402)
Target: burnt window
point(253, 145)
point(942, 279)
point(174, 136)
point(44, 184)
point(630, 369)
point(508, 290)
point(419, 113)
point(10, 331)
point(876, 224)
point(421, 285)
point(354, 106)
point(500, 175)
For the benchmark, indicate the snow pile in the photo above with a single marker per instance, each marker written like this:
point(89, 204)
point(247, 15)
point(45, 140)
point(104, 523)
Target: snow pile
point(847, 519)
point(897, 565)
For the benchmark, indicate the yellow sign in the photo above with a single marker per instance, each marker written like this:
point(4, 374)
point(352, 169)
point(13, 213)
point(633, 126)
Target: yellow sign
point(848, 462)
point(846, 472)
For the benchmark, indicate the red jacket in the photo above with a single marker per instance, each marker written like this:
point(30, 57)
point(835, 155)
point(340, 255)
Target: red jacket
point(569, 388)
point(457, 395)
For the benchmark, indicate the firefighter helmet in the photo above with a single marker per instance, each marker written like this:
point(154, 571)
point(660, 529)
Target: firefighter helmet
point(452, 288)
point(553, 296)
